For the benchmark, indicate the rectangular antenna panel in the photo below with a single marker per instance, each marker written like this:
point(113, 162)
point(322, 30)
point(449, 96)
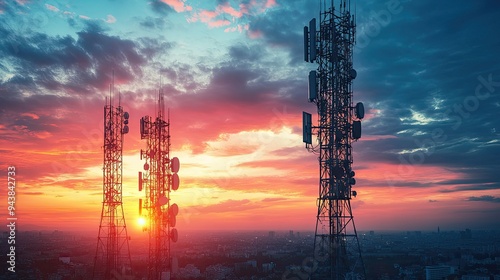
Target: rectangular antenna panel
point(312, 40)
point(356, 129)
point(306, 44)
point(306, 128)
point(140, 181)
point(313, 87)
point(142, 126)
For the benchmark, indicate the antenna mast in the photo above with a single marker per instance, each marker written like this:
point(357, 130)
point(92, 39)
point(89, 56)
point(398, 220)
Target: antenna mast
point(158, 179)
point(336, 245)
point(112, 258)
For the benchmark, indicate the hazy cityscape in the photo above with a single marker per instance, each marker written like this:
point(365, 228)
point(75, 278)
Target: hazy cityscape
point(467, 254)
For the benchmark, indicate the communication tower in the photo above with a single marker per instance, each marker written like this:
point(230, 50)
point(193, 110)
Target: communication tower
point(158, 179)
point(336, 244)
point(112, 258)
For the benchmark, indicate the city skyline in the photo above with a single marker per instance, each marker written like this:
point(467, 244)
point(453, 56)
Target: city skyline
point(235, 84)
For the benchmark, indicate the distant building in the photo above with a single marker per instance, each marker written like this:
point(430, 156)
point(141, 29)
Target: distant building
point(217, 272)
point(189, 271)
point(438, 272)
point(466, 234)
point(272, 234)
point(245, 267)
point(268, 267)
point(65, 259)
point(475, 277)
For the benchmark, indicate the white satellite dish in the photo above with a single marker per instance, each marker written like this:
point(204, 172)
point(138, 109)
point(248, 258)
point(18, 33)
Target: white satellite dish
point(175, 182)
point(126, 115)
point(125, 129)
point(174, 235)
point(175, 165)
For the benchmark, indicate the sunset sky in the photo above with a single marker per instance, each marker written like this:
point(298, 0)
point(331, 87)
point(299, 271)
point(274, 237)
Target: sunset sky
point(236, 85)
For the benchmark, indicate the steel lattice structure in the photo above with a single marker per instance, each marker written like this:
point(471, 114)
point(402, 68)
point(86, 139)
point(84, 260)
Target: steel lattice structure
point(158, 179)
point(336, 244)
point(112, 258)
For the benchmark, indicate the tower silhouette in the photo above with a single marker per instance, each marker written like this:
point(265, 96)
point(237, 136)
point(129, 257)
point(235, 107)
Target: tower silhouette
point(112, 258)
point(158, 180)
point(336, 244)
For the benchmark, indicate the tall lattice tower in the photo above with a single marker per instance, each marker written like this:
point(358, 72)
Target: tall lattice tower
point(112, 259)
point(336, 245)
point(158, 179)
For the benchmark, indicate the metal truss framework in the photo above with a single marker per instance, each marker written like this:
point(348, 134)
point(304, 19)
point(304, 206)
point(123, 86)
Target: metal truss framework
point(158, 179)
point(112, 257)
point(336, 244)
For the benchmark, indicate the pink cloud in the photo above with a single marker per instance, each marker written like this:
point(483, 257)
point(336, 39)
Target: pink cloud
point(255, 34)
point(210, 16)
point(51, 8)
point(239, 28)
point(270, 3)
point(226, 8)
point(205, 16)
point(22, 2)
point(31, 115)
point(110, 19)
point(178, 5)
point(219, 23)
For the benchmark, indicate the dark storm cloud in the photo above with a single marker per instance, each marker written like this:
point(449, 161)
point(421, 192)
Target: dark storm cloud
point(160, 7)
point(240, 95)
point(51, 84)
point(486, 198)
point(245, 53)
point(424, 84)
point(479, 187)
point(282, 27)
point(88, 61)
point(251, 86)
point(153, 23)
point(151, 47)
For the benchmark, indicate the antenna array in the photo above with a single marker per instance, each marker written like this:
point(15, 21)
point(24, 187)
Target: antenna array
point(336, 245)
point(158, 179)
point(112, 257)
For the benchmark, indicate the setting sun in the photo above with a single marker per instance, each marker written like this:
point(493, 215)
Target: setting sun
point(141, 221)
